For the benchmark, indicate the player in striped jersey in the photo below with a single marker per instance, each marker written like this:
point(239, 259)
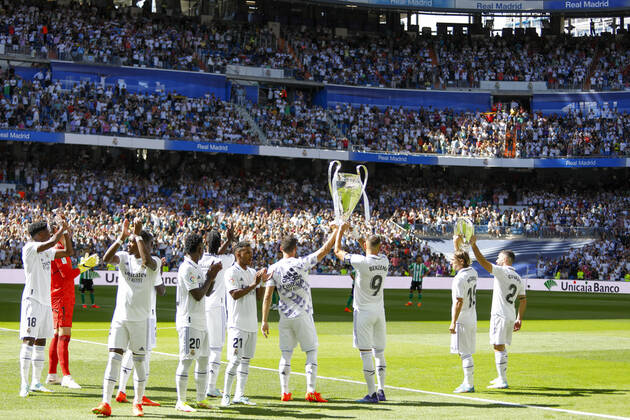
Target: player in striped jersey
point(463, 326)
point(418, 270)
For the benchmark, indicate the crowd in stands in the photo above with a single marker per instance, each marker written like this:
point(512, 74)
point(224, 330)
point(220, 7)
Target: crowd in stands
point(83, 33)
point(602, 260)
point(180, 193)
point(44, 104)
point(89, 108)
point(396, 60)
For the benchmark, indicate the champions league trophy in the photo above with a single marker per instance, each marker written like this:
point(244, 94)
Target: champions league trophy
point(346, 190)
point(464, 227)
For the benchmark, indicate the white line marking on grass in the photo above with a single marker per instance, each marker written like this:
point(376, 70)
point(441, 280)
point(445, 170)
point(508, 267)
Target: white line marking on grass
point(398, 388)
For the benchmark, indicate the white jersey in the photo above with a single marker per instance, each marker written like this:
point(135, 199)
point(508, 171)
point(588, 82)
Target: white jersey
point(508, 285)
point(217, 298)
point(464, 286)
point(368, 285)
point(37, 272)
point(242, 313)
point(189, 311)
point(290, 278)
point(159, 282)
point(136, 288)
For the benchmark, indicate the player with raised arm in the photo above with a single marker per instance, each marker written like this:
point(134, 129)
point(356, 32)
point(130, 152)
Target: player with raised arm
point(126, 366)
point(242, 284)
point(463, 326)
point(290, 277)
point(369, 311)
point(215, 303)
point(36, 317)
point(192, 289)
point(138, 276)
point(62, 301)
point(508, 286)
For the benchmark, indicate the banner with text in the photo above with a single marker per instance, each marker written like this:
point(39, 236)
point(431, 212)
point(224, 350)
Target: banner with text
point(110, 278)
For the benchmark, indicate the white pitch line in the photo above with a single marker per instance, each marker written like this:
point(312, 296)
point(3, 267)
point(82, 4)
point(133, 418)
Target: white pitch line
point(398, 388)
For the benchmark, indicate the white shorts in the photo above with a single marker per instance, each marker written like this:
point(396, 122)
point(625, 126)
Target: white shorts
point(216, 320)
point(500, 330)
point(297, 330)
point(369, 330)
point(36, 320)
point(464, 339)
point(241, 343)
point(193, 343)
point(132, 335)
point(152, 333)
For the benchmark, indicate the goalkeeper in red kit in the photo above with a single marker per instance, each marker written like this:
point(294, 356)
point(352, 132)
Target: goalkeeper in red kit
point(62, 302)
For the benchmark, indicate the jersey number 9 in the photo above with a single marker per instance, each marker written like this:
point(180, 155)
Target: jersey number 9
point(377, 282)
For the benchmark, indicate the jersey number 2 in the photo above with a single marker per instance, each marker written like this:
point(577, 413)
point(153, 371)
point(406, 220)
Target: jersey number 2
point(510, 296)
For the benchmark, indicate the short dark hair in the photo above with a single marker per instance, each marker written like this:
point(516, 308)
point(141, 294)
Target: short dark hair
point(288, 243)
point(241, 245)
point(509, 254)
point(374, 241)
point(192, 242)
point(213, 238)
point(146, 236)
point(463, 256)
point(36, 227)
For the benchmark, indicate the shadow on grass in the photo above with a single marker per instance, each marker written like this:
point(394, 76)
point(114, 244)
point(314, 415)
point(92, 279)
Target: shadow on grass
point(544, 391)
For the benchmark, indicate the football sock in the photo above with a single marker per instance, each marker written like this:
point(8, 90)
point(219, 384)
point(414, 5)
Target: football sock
point(181, 378)
point(311, 370)
point(82, 298)
point(349, 302)
point(111, 371)
point(469, 367)
point(379, 357)
point(92, 298)
point(214, 365)
point(368, 371)
point(62, 351)
point(241, 381)
point(26, 353)
point(201, 377)
point(126, 367)
point(230, 372)
point(39, 357)
point(284, 370)
point(53, 360)
point(140, 378)
point(501, 360)
point(419, 297)
point(410, 296)
point(147, 365)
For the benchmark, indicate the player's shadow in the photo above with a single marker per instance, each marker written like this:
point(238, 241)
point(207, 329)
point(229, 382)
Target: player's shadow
point(458, 404)
point(274, 410)
point(545, 391)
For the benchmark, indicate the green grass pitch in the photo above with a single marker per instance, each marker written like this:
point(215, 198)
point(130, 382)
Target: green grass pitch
point(573, 355)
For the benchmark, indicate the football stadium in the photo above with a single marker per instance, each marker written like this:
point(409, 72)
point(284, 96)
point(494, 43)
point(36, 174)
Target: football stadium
point(315, 209)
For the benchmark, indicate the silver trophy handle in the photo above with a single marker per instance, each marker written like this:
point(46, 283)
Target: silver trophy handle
point(366, 203)
point(333, 170)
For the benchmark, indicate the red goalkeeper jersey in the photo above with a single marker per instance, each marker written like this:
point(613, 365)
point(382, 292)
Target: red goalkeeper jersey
point(62, 276)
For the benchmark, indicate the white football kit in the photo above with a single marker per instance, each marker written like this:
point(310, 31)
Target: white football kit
point(190, 318)
point(508, 285)
point(216, 316)
point(369, 311)
point(242, 313)
point(134, 300)
point(291, 279)
point(36, 318)
point(464, 287)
